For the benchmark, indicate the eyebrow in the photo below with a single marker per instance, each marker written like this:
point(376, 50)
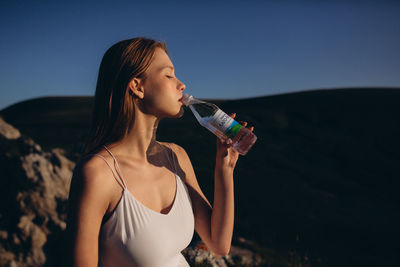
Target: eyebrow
point(169, 67)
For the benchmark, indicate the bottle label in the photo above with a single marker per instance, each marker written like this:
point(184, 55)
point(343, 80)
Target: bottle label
point(225, 124)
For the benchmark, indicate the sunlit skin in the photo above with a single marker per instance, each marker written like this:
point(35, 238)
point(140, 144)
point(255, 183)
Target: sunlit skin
point(144, 167)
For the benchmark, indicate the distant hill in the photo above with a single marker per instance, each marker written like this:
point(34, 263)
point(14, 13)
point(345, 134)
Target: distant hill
point(319, 187)
point(52, 121)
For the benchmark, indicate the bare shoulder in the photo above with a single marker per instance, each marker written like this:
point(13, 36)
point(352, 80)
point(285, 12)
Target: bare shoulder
point(184, 168)
point(178, 151)
point(90, 168)
point(92, 173)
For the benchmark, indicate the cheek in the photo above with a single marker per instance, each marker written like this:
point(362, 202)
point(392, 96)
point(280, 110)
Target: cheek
point(152, 102)
point(156, 101)
point(153, 92)
point(158, 97)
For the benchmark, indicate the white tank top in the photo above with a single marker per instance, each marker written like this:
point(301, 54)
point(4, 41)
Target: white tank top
point(137, 236)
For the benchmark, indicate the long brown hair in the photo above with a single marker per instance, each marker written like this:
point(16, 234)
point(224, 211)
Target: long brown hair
point(113, 110)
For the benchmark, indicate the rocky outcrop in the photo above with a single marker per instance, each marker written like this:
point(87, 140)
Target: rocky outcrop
point(243, 253)
point(7, 131)
point(34, 188)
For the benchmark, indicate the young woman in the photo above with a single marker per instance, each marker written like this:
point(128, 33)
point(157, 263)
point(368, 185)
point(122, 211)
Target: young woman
point(135, 201)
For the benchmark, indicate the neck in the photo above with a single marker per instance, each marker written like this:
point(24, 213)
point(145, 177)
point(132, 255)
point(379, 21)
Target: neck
point(141, 141)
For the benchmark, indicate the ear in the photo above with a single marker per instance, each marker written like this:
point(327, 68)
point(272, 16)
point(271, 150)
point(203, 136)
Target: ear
point(135, 88)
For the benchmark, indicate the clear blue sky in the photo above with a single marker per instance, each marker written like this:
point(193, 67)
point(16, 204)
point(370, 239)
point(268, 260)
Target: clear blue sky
point(221, 49)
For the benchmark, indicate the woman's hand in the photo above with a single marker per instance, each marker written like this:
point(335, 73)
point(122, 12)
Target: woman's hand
point(226, 156)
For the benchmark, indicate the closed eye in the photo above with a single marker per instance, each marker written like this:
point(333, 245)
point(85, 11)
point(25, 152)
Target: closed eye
point(170, 77)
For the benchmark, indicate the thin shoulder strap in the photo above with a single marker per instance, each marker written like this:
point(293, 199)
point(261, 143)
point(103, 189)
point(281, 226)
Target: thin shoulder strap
point(112, 170)
point(173, 157)
point(117, 168)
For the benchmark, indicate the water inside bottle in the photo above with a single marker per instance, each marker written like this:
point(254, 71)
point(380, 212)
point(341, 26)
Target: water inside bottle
point(215, 120)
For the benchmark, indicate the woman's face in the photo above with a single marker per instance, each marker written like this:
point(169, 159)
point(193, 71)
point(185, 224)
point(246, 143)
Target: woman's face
point(162, 89)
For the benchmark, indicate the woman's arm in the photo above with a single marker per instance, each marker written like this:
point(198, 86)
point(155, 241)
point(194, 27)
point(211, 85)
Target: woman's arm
point(88, 201)
point(214, 224)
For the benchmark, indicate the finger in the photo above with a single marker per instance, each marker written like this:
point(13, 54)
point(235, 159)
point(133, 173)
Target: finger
point(251, 128)
point(224, 142)
point(232, 115)
point(244, 123)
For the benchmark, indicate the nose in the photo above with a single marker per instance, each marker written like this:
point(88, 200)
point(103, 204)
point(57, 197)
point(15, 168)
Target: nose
point(181, 86)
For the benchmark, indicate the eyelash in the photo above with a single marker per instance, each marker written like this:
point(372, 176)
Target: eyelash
point(170, 77)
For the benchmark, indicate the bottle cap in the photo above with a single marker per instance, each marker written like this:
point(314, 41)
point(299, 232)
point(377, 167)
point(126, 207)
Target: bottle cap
point(186, 99)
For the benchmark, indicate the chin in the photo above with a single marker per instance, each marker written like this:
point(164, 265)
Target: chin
point(179, 114)
point(170, 113)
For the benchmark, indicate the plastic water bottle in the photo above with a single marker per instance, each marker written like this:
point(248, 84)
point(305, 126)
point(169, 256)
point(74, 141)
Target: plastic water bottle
point(221, 124)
